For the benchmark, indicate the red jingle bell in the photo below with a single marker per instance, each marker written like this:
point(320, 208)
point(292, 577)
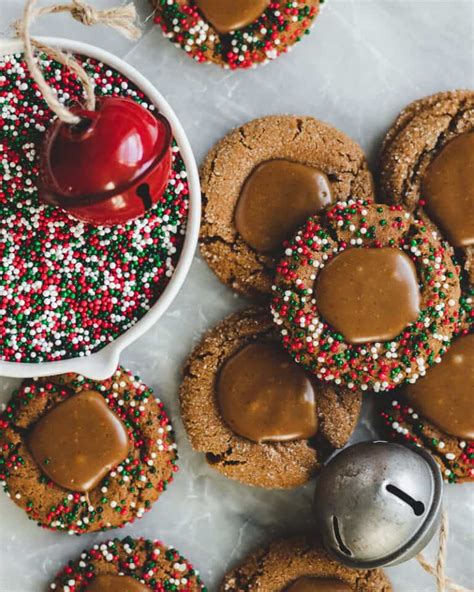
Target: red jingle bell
point(109, 168)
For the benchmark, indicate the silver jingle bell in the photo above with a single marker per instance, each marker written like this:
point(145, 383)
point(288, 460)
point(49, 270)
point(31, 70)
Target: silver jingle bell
point(378, 504)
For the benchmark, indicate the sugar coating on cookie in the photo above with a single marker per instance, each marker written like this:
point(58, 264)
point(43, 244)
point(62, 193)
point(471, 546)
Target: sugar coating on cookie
point(77, 486)
point(313, 342)
point(261, 182)
point(285, 564)
point(427, 164)
point(131, 564)
point(233, 421)
point(235, 35)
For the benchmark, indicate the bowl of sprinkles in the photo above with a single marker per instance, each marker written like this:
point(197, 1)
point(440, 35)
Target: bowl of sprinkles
point(74, 295)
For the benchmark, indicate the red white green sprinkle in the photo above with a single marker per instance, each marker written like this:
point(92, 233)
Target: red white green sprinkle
point(75, 512)
point(312, 342)
point(406, 426)
point(67, 289)
point(280, 26)
point(467, 310)
point(153, 564)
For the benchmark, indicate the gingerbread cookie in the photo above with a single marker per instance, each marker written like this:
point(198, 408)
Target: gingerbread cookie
point(129, 565)
point(82, 456)
point(261, 182)
point(300, 564)
point(259, 418)
point(367, 296)
point(438, 412)
point(427, 164)
point(235, 34)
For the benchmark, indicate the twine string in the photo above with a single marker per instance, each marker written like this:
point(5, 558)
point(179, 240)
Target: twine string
point(443, 583)
point(120, 18)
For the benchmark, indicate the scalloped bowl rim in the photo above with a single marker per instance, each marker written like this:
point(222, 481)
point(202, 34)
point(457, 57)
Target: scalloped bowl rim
point(103, 363)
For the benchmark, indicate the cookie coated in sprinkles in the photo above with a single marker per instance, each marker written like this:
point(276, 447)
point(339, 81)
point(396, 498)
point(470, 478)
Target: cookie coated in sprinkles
point(126, 493)
point(455, 455)
point(379, 366)
point(280, 26)
point(67, 289)
point(151, 563)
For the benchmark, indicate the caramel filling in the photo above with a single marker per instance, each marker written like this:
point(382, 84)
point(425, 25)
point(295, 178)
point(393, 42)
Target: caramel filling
point(368, 294)
point(79, 441)
point(445, 396)
point(312, 584)
point(448, 189)
point(115, 583)
point(277, 198)
point(265, 397)
point(231, 15)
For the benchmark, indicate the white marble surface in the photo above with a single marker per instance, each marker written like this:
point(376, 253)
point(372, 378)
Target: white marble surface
point(365, 60)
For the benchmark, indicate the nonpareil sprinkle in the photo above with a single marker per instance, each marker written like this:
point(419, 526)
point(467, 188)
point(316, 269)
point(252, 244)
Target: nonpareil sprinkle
point(67, 289)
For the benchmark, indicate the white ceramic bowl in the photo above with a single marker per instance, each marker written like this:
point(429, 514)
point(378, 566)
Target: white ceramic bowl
point(102, 364)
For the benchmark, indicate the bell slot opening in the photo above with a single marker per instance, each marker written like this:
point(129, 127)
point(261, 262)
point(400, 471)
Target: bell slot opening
point(143, 192)
point(417, 506)
point(337, 535)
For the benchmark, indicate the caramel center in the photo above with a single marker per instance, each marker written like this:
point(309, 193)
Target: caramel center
point(115, 583)
point(448, 189)
point(265, 397)
point(445, 396)
point(79, 441)
point(230, 15)
point(277, 198)
point(368, 294)
point(310, 584)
